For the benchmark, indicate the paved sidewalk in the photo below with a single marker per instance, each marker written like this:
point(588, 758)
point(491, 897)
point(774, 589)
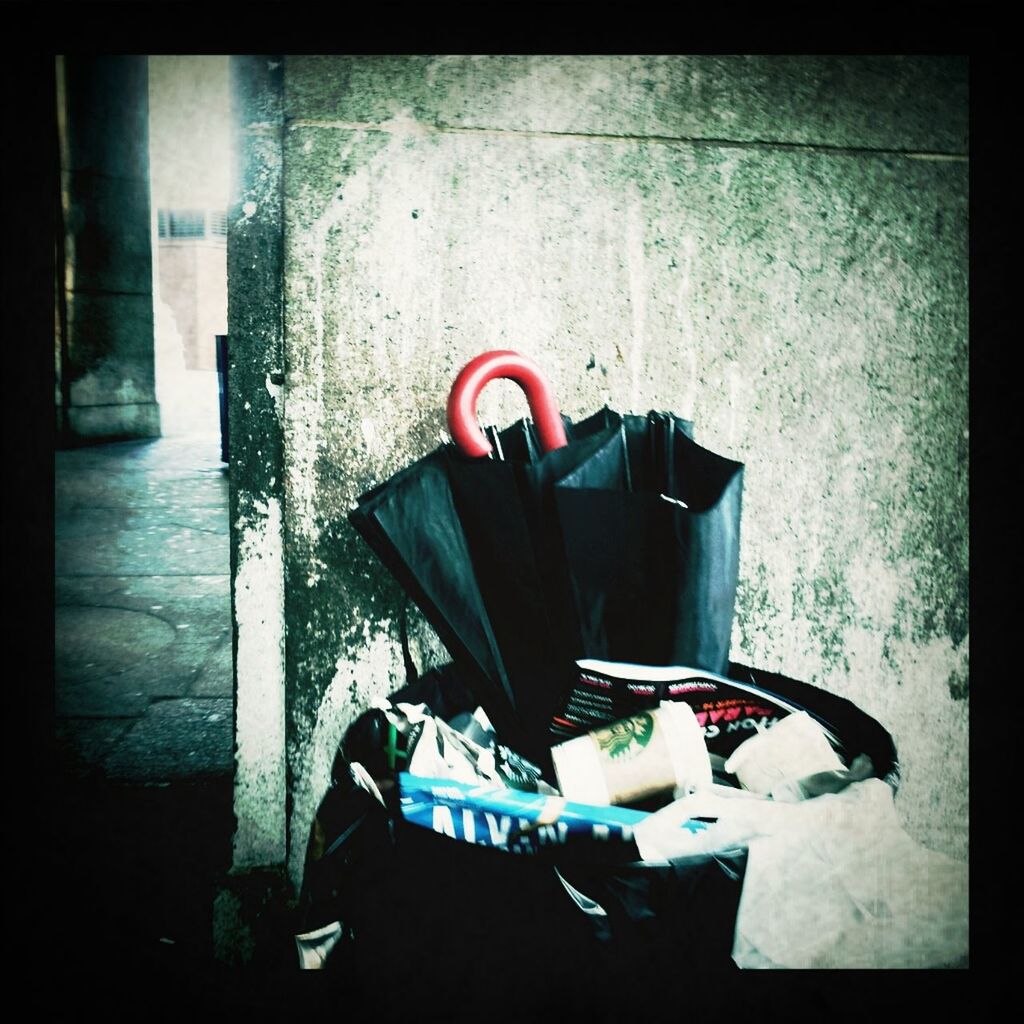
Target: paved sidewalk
point(142, 813)
point(142, 617)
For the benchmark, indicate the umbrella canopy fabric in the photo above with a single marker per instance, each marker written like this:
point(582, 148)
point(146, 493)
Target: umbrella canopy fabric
point(411, 524)
point(507, 511)
point(651, 537)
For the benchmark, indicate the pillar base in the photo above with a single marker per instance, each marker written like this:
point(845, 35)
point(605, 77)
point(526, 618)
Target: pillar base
point(111, 422)
point(253, 921)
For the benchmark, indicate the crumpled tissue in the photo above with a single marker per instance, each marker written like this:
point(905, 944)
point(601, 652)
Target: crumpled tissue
point(830, 882)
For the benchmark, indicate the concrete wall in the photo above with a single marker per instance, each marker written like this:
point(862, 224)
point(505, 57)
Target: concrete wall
point(256, 363)
point(104, 345)
point(775, 248)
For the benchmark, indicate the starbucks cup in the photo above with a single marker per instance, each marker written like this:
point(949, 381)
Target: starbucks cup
point(648, 753)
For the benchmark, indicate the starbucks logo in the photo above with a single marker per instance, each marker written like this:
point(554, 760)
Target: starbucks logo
point(626, 738)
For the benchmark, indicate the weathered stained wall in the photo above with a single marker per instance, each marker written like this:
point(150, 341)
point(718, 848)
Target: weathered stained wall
point(256, 494)
point(775, 248)
point(104, 337)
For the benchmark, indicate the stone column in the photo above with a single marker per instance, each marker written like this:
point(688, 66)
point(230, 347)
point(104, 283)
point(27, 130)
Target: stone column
point(105, 359)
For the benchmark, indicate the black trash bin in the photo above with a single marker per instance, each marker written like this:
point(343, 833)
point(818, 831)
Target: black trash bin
point(417, 903)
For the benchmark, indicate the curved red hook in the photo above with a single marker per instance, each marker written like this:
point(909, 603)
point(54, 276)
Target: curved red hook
point(462, 422)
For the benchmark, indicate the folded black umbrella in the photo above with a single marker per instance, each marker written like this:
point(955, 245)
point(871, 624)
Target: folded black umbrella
point(615, 537)
point(510, 520)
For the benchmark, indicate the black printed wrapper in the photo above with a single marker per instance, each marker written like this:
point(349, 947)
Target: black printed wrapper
point(728, 711)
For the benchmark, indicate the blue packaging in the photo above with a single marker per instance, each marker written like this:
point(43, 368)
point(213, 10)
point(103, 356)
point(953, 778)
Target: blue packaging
point(513, 820)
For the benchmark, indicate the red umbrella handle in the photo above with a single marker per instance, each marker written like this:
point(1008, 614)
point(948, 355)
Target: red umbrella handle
point(462, 422)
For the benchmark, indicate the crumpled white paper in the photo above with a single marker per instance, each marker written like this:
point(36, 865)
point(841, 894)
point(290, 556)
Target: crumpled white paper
point(792, 749)
point(741, 816)
point(842, 885)
point(314, 947)
point(831, 882)
point(440, 751)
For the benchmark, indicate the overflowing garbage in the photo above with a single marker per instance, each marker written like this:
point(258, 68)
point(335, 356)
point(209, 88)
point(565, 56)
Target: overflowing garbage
point(610, 768)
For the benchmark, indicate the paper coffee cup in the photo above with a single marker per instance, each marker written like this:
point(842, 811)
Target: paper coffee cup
point(648, 753)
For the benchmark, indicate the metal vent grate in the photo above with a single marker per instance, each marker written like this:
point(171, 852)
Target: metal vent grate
point(191, 223)
point(187, 223)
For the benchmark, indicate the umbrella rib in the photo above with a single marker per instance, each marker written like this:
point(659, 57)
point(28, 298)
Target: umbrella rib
point(497, 443)
point(625, 456)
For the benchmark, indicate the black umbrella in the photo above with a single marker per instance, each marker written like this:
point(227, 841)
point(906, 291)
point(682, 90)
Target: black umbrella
point(616, 537)
point(435, 525)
